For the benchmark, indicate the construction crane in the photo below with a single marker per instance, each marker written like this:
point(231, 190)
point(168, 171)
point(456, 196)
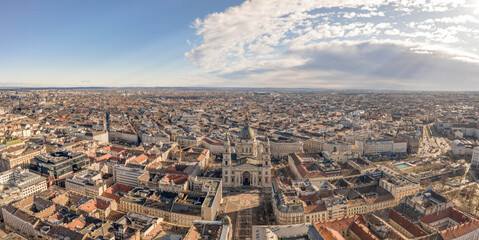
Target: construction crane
point(51, 181)
point(181, 149)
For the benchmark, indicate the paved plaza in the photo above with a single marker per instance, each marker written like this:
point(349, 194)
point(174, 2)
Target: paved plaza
point(246, 207)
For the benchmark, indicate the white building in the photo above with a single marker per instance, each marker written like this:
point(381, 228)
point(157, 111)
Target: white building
point(475, 158)
point(23, 226)
point(126, 176)
point(87, 182)
point(463, 147)
point(378, 146)
point(16, 184)
point(458, 148)
point(399, 146)
point(155, 137)
point(295, 231)
point(215, 146)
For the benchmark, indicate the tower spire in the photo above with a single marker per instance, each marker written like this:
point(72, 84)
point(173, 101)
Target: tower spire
point(227, 143)
point(267, 152)
point(227, 139)
point(227, 151)
point(246, 122)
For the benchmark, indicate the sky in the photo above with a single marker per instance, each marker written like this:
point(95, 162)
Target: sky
point(333, 44)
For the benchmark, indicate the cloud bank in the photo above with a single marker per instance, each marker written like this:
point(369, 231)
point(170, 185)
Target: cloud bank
point(375, 44)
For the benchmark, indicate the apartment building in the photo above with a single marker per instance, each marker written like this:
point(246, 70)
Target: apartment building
point(303, 201)
point(178, 208)
point(86, 182)
point(19, 156)
point(20, 183)
point(126, 175)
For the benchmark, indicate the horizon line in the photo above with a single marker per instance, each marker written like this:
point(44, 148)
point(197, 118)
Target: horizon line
point(233, 88)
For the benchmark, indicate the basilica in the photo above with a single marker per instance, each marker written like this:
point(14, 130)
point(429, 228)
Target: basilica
point(250, 165)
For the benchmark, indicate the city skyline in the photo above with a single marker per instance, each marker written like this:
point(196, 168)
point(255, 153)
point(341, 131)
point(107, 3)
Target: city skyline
point(377, 45)
point(223, 164)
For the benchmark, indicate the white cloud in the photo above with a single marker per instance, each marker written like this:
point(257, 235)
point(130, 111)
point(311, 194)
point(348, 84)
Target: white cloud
point(262, 38)
point(392, 32)
point(371, 65)
point(456, 19)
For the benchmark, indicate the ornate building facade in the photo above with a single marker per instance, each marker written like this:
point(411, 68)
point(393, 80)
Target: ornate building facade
point(251, 164)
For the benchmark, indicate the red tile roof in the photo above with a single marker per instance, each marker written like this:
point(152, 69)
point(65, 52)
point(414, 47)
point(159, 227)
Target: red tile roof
point(362, 231)
point(104, 157)
point(110, 192)
point(465, 226)
point(175, 178)
point(102, 204)
point(140, 159)
point(451, 212)
point(406, 224)
point(460, 230)
point(73, 225)
point(329, 234)
point(355, 223)
point(88, 206)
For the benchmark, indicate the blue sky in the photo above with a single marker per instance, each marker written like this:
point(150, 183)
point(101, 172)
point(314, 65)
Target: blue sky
point(353, 44)
point(107, 43)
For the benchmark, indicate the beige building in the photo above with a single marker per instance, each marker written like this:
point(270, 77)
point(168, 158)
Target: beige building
point(312, 145)
point(18, 156)
point(183, 208)
point(282, 148)
point(400, 187)
point(302, 201)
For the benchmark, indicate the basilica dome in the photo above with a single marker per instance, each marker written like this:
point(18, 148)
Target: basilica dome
point(246, 133)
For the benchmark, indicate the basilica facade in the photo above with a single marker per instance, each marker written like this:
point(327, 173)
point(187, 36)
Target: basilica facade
point(250, 165)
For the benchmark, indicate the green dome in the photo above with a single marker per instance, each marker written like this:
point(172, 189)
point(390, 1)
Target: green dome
point(246, 133)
